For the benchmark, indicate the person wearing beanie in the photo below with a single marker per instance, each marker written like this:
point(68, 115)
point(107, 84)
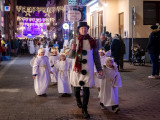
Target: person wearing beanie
point(84, 54)
point(153, 48)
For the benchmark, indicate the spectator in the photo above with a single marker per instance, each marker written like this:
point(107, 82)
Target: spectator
point(16, 46)
point(115, 49)
point(122, 52)
point(0, 47)
point(153, 48)
point(102, 41)
point(107, 46)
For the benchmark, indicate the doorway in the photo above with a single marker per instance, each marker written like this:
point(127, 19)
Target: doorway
point(121, 24)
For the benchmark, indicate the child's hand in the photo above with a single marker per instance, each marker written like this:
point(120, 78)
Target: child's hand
point(111, 79)
point(34, 77)
point(100, 72)
point(95, 73)
point(51, 72)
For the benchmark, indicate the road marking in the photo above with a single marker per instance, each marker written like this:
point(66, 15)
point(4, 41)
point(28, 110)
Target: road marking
point(10, 90)
point(4, 70)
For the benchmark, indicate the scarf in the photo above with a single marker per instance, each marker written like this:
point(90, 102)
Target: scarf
point(92, 42)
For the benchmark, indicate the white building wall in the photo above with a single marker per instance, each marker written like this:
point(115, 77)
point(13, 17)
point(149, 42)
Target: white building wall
point(111, 18)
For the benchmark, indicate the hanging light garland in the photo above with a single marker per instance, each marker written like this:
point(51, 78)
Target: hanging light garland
point(36, 20)
point(46, 10)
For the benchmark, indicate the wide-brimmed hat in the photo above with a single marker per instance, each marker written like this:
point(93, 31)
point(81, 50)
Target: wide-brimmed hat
point(83, 24)
point(153, 27)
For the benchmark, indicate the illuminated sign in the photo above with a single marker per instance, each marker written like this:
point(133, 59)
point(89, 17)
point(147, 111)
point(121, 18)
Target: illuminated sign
point(6, 8)
point(72, 2)
point(75, 13)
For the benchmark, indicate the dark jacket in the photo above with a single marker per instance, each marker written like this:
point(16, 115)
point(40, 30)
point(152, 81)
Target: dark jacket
point(153, 45)
point(115, 48)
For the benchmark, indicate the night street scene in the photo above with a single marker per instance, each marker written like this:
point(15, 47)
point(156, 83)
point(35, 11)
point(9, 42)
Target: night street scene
point(80, 60)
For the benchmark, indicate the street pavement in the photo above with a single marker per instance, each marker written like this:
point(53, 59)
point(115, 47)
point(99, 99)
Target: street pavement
point(139, 97)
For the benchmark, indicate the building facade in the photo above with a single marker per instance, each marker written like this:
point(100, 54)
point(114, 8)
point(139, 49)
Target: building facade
point(10, 19)
point(125, 17)
point(2, 16)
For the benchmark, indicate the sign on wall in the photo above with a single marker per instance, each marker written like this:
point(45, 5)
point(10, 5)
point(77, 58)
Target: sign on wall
point(6, 8)
point(74, 13)
point(72, 2)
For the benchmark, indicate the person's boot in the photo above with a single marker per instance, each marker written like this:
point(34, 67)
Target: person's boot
point(85, 113)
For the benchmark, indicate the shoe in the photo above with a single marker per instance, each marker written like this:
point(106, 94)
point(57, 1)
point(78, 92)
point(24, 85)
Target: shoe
point(102, 106)
point(85, 113)
point(43, 95)
point(116, 110)
point(53, 84)
point(79, 105)
point(63, 95)
point(157, 76)
point(151, 77)
point(66, 95)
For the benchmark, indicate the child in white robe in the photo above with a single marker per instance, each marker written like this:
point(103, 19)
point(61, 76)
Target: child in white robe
point(64, 66)
point(52, 61)
point(41, 73)
point(31, 47)
point(102, 59)
point(32, 60)
point(109, 86)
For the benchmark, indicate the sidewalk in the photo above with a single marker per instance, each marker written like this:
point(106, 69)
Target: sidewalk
point(139, 97)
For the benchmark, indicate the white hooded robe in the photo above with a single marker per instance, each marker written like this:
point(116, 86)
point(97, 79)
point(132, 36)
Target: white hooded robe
point(64, 85)
point(52, 61)
point(41, 69)
point(109, 87)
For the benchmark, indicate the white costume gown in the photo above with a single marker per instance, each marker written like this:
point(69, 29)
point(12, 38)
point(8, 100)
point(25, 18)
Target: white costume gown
point(41, 68)
point(52, 61)
point(97, 80)
point(46, 51)
point(37, 48)
point(31, 48)
point(64, 85)
point(89, 67)
point(109, 87)
point(32, 61)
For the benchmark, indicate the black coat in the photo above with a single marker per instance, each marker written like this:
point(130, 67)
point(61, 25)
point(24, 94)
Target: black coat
point(153, 45)
point(115, 48)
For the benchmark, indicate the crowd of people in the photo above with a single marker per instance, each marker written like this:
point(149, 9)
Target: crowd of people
point(79, 66)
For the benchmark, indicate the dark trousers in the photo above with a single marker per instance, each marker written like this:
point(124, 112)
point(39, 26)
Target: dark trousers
point(86, 94)
point(155, 65)
point(121, 61)
point(116, 60)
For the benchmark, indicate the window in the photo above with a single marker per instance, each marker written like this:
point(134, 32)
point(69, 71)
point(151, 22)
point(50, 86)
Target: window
point(151, 12)
point(91, 25)
point(100, 23)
